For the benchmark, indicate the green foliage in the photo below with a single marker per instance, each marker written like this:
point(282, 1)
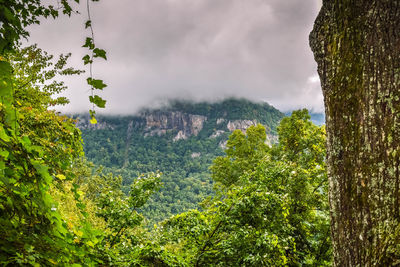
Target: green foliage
point(184, 163)
point(243, 153)
point(186, 179)
point(16, 15)
point(36, 147)
point(50, 200)
point(271, 210)
point(270, 207)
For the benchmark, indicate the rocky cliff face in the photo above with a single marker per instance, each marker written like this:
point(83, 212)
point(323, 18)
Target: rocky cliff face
point(240, 125)
point(215, 121)
point(158, 123)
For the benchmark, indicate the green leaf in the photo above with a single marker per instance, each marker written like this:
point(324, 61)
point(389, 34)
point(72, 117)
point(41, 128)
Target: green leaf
point(10, 119)
point(92, 117)
point(3, 134)
point(98, 101)
point(43, 171)
point(61, 176)
point(26, 143)
point(4, 154)
point(97, 84)
point(5, 78)
point(86, 59)
point(88, 24)
point(3, 166)
point(100, 53)
point(8, 15)
point(89, 43)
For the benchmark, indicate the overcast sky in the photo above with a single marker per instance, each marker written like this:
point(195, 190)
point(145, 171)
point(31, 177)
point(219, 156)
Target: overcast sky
point(192, 49)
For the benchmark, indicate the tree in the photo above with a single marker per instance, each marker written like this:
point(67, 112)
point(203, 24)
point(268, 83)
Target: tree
point(243, 153)
point(50, 198)
point(16, 15)
point(37, 149)
point(270, 210)
point(356, 46)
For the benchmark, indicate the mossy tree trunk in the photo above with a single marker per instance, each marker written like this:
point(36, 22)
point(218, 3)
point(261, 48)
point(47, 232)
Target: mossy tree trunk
point(356, 44)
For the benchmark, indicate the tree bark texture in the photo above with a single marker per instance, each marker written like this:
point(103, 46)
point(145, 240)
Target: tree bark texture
point(356, 44)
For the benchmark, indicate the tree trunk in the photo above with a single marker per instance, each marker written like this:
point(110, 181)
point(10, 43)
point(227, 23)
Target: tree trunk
point(356, 44)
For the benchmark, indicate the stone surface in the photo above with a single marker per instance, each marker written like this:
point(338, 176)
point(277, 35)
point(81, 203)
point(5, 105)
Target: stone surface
point(240, 125)
point(157, 123)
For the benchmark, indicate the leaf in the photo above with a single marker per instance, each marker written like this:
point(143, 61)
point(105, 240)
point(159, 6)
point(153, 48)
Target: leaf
point(3, 134)
point(61, 176)
point(90, 243)
point(10, 119)
point(89, 43)
point(43, 171)
point(5, 78)
point(98, 101)
point(97, 84)
point(52, 261)
point(92, 117)
point(100, 53)
point(8, 14)
point(26, 143)
point(3, 166)
point(88, 24)
point(92, 113)
point(79, 233)
point(4, 154)
point(86, 60)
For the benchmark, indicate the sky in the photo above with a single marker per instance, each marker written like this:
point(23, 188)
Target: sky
point(200, 50)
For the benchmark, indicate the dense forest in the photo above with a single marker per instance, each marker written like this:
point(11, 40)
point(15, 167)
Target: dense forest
point(269, 205)
point(125, 146)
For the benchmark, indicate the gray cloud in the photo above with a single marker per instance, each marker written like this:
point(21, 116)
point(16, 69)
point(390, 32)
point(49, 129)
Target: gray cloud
point(193, 49)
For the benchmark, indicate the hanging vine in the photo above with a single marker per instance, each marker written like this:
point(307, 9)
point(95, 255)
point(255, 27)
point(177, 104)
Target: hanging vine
point(95, 84)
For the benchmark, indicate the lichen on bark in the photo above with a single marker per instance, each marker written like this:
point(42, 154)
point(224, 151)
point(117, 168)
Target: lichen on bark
point(357, 48)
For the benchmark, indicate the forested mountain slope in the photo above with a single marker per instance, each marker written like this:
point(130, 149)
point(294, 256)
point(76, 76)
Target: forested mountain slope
point(180, 140)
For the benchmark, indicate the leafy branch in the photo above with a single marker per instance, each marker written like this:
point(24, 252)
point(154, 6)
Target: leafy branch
point(95, 84)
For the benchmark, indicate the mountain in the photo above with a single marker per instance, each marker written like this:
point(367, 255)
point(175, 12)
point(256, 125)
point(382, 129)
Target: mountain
point(316, 118)
point(180, 140)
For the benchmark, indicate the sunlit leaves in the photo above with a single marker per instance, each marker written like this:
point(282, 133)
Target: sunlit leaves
point(264, 213)
point(92, 115)
point(5, 78)
point(143, 187)
point(36, 146)
point(36, 74)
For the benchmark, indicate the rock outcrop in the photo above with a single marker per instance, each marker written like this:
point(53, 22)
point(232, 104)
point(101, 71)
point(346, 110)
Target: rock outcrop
point(240, 125)
point(158, 123)
point(217, 133)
